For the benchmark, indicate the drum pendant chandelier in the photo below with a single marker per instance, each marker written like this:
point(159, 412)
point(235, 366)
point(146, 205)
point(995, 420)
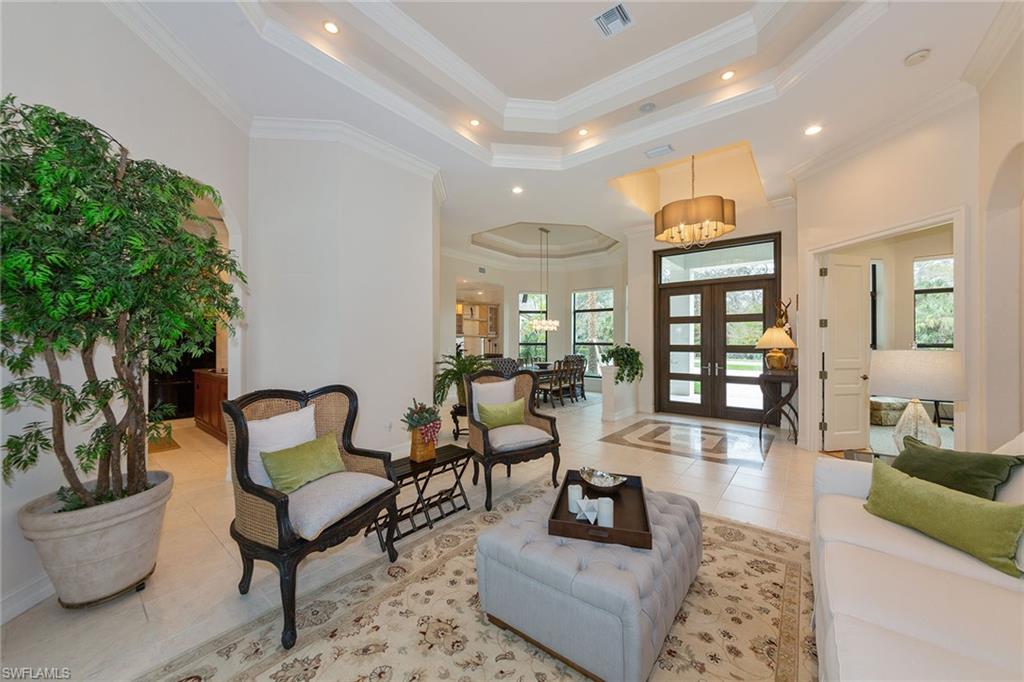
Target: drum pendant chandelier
point(695, 221)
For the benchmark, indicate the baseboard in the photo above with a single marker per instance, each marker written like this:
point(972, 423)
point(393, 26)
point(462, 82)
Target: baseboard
point(24, 598)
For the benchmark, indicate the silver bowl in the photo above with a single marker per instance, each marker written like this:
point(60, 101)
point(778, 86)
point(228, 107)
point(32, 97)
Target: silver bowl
point(601, 480)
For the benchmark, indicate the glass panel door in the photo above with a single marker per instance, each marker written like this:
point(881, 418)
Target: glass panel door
point(682, 343)
point(738, 364)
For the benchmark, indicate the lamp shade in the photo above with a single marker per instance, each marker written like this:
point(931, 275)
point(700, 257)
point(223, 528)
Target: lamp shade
point(923, 374)
point(775, 337)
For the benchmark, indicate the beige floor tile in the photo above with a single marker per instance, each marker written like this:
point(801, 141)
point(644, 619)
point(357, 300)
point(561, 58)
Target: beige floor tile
point(755, 498)
point(747, 513)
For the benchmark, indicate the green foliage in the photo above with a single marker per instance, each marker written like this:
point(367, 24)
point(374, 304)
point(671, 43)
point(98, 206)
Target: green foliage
point(627, 360)
point(420, 414)
point(95, 254)
point(454, 368)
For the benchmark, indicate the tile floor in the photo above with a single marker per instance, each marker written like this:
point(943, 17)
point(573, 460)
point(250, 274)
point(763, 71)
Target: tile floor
point(192, 596)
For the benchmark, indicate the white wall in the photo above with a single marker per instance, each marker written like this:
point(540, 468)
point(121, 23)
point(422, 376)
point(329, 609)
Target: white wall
point(1001, 243)
point(341, 279)
point(80, 59)
point(925, 171)
point(640, 270)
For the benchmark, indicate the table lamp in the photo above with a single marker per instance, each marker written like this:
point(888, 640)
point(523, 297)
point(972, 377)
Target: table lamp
point(916, 374)
point(775, 339)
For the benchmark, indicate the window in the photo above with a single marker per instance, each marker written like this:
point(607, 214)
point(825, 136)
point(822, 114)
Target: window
point(533, 345)
point(593, 325)
point(873, 284)
point(933, 302)
point(744, 260)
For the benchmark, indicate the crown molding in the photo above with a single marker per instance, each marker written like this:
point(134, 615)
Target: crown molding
point(440, 191)
point(480, 256)
point(337, 131)
point(527, 156)
point(929, 109)
point(144, 24)
point(782, 202)
point(1006, 28)
point(599, 243)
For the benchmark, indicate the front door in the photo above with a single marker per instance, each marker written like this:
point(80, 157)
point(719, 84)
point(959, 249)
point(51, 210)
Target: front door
point(707, 362)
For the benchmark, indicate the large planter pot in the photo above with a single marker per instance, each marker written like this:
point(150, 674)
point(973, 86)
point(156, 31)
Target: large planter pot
point(618, 401)
point(97, 553)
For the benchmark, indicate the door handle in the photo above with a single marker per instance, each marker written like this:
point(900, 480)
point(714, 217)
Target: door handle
point(864, 377)
point(706, 368)
point(716, 369)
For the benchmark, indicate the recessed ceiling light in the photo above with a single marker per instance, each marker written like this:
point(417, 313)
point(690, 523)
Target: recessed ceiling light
point(728, 75)
point(812, 130)
point(479, 293)
point(330, 27)
point(517, 190)
point(915, 58)
point(582, 131)
point(474, 122)
point(647, 107)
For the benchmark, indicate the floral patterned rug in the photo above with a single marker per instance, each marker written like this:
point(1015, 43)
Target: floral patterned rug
point(747, 617)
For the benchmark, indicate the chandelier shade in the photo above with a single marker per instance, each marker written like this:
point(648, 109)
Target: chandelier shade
point(695, 221)
point(545, 324)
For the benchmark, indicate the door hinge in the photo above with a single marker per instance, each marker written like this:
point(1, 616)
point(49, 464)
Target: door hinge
point(823, 374)
point(823, 426)
point(822, 272)
point(823, 322)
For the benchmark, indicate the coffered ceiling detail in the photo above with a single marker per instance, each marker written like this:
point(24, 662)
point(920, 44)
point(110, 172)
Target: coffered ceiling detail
point(565, 241)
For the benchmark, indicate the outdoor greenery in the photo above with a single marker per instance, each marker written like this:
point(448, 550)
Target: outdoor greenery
point(933, 302)
point(593, 325)
point(627, 360)
point(454, 368)
point(95, 258)
point(533, 344)
point(420, 414)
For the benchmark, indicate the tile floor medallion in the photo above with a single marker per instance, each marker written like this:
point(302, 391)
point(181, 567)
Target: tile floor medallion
point(726, 445)
point(746, 617)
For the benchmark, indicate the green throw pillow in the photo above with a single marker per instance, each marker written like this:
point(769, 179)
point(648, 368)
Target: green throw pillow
point(294, 467)
point(503, 414)
point(986, 530)
point(976, 474)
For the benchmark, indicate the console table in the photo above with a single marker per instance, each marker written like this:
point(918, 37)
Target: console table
point(771, 383)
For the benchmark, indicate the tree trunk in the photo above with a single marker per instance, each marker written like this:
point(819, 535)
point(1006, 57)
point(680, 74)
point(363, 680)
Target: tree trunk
point(113, 450)
point(59, 442)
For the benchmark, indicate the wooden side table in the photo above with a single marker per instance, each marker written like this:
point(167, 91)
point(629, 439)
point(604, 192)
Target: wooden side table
point(771, 383)
point(458, 411)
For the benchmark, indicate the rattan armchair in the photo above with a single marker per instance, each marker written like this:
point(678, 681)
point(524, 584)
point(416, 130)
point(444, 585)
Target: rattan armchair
point(486, 452)
point(262, 527)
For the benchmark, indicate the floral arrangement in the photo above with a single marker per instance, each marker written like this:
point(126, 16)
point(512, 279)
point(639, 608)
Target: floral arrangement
point(424, 417)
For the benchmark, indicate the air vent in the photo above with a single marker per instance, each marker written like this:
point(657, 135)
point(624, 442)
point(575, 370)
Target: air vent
point(613, 21)
point(659, 151)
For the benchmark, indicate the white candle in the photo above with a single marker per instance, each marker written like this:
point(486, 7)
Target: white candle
point(605, 512)
point(575, 493)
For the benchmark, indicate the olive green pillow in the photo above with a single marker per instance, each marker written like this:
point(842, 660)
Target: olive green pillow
point(502, 414)
point(987, 530)
point(294, 467)
point(973, 473)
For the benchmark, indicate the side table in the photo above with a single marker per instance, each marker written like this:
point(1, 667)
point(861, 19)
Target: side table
point(458, 411)
point(435, 506)
point(771, 383)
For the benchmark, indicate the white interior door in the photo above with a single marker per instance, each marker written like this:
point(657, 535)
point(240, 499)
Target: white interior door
point(847, 352)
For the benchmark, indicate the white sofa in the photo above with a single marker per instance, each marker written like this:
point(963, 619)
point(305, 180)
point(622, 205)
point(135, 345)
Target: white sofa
point(890, 603)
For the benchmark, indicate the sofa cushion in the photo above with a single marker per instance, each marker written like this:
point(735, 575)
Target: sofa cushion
point(492, 393)
point(505, 414)
point(324, 501)
point(840, 518)
point(516, 437)
point(970, 618)
point(1012, 492)
point(974, 473)
point(294, 467)
point(277, 433)
point(858, 650)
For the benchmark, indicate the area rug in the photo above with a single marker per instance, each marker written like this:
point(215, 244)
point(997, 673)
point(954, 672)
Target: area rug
point(746, 618)
point(721, 444)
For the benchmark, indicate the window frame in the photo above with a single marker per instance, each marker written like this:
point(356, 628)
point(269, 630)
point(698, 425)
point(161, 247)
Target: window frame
point(576, 310)
point(933, 290)
point(519, 318)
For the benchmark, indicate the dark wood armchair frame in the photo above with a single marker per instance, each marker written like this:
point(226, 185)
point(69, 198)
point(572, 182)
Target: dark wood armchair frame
point(480, 443)
point(290, 548)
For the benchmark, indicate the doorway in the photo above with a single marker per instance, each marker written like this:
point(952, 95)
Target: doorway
point(712, 306)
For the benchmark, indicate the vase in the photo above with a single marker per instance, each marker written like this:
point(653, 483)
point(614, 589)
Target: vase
point(420, 451)
point(97, 553)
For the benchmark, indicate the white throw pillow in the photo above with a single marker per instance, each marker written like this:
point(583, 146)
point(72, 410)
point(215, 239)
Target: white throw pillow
point(516, 437)
point(324, 501)
point(277, 433)
point(492, 393)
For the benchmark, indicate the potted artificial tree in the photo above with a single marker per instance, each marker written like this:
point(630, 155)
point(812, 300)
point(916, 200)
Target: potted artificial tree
point(455, 368)
point(619, 388)
point(97, 270)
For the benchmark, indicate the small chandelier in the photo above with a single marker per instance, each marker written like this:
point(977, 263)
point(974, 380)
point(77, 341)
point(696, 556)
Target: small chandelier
point(695, 221)
point(545, 325)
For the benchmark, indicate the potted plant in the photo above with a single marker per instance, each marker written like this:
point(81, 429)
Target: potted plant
point(619, 389)
point(97, 266)
point(423, 422)
point(455, 368)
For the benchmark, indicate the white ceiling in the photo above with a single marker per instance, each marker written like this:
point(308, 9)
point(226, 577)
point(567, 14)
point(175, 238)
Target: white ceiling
point(392, 78)
point(523, 240)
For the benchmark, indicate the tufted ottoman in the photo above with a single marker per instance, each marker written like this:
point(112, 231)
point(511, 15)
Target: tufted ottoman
point(603, 608)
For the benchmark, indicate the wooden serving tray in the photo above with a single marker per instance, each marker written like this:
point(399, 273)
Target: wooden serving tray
point(632, 527)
